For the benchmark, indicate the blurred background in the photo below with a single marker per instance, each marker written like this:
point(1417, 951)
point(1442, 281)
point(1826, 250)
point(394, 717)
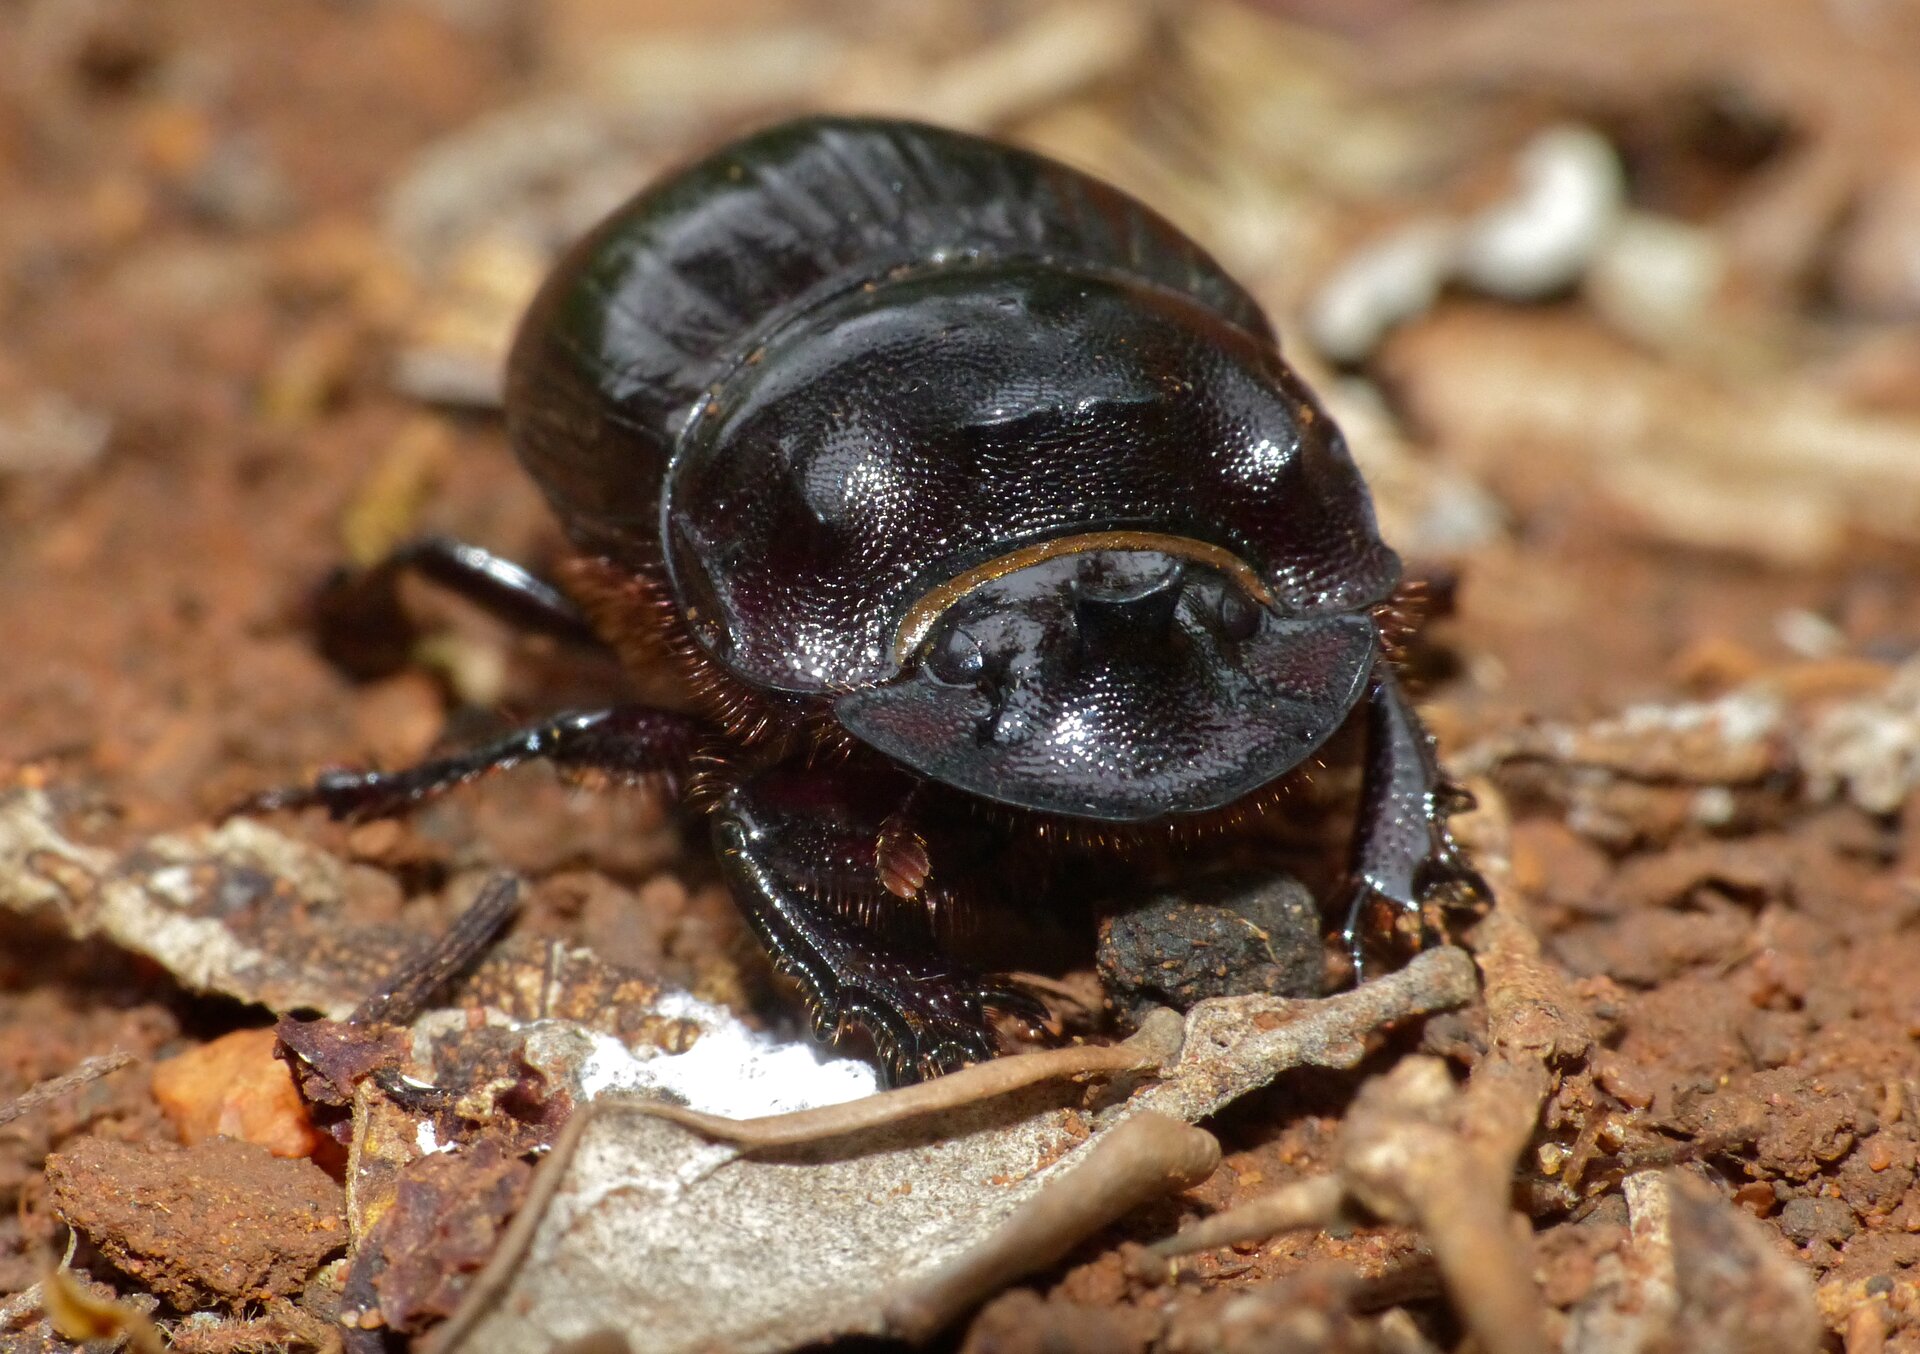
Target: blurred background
point(1619, 306)
point(1618, 303)
point(1594, 288)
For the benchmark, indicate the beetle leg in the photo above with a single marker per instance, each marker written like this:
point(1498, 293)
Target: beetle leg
point(804, 889)
point(363, 628)
point(628, 742)
point(1403, 853)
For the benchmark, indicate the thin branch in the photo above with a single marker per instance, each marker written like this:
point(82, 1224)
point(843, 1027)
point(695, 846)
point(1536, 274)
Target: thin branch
point(1156, 1044)
point(1144, 1158)
point(1315, 1202)
point(52, 1089)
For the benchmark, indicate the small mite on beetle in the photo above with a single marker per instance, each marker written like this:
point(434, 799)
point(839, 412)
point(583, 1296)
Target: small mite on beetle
point(981, 515)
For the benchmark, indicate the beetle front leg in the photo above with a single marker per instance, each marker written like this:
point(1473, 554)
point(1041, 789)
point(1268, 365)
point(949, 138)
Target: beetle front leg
point(363, 628)
point(797, 847)
point(1403, 853)
point(627, 742)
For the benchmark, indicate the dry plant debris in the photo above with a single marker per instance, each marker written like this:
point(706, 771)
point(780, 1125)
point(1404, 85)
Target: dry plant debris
point(1416, 1150)
point(635, 1221)
point(250, 913)
point(1779, 469)
point(413, 1214)
point(223, 910)
point(54, 1087)
point(1855, 739)
point(442, 1227)
point(1680, 498)
point(1145, 1156)
point(76, 1312)
point(422, 974)
point(1695, 1274)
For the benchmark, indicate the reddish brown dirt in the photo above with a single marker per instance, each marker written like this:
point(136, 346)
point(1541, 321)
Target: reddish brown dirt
point(1756, 993)
point(225, 1222)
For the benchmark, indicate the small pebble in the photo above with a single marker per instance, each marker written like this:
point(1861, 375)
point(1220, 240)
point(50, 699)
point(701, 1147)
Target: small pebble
point(1806, 1221)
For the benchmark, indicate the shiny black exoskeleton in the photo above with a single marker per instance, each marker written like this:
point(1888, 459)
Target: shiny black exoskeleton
point(963, 488)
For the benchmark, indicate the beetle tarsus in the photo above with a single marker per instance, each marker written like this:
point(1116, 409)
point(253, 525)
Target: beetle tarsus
point(925, 1014)
point(1404, 854)
point(627, 742)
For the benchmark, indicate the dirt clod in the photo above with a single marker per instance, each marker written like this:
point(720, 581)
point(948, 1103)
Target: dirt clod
point(1809, 1220)
point(1212, 938)
point(225, 1222)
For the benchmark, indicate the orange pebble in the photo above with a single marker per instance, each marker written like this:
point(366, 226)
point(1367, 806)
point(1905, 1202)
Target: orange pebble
point(234, 1087)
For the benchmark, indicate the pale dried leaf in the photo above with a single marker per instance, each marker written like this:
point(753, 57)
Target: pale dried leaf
point(645, 1225)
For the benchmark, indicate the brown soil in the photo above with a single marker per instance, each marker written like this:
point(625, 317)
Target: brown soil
point(191, 251)
point(225, 1222)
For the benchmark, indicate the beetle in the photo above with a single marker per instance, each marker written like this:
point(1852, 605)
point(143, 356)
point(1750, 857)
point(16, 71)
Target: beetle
point(976, 505)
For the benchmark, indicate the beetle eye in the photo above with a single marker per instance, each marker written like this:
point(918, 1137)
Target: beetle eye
point(955, 658)
point(1239, 614)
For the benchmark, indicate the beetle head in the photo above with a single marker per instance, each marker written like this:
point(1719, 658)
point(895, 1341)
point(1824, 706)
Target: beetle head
point(1121, 684)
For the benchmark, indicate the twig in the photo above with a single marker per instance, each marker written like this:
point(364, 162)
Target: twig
point(1415, 1149)
point(1152, 1047)
point(1148, 1156)
point(1226, 1048)
point(413, 983)
point(1238, 1044)
point(1316, 1202)
point(52, 1089)
point(1419, 1150)
point(1404, 1155)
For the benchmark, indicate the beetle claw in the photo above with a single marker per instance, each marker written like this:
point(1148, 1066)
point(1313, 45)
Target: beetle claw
point(921, 1024)
point(1441, 876)
point(1000, 995)
point(922, 1029)
point(949, 1055)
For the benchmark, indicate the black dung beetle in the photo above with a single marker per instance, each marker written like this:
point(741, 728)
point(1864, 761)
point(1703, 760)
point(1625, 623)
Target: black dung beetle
point(976, 504)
